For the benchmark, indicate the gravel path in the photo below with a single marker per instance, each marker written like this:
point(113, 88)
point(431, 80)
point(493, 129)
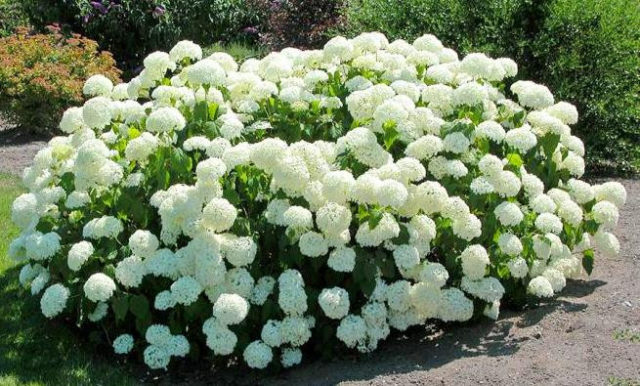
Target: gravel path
point(16, 149)
point(568, 341)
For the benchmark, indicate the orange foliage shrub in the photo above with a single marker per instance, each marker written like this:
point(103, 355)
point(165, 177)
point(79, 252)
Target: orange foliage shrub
point(43, 74)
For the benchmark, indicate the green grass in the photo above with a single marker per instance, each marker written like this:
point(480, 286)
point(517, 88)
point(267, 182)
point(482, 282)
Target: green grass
point(34, 351)
point(627, 335)
point(615, 381)
point(239, 51)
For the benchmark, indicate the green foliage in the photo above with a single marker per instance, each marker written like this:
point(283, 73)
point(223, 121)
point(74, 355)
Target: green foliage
point(149, 26)
point(296, 23)
point(627, 335)
point(616, 381)
point(12, 15)
point(587, 52)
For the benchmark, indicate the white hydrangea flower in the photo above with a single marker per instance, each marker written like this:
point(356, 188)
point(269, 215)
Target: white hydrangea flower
point(78, 254)
point(313, 244)
point(474, 260)
point(218, 215)
point(454, 306)
point(508, 213)
point(518, 267)
point(606, 213)
point(611, 191)
point(165, 119)
point(102, 227)
point(510, 244)
point(186, 290)
point(290, 357)
point(532, 95)
point(334, 302)
point(96, 112)
point(54, 300)
point(143, 243)
point(123, 344)
point(99, 287)
point(220, 339)
point(185, 49)
point(230, 309)
point(352, 330)
point(540, 287)
point(97, 85)
point(488, 289)
point(130, 271)
point(342, 259)
point(258, 355)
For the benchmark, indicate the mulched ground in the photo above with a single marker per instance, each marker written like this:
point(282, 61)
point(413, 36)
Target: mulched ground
point(568, 341)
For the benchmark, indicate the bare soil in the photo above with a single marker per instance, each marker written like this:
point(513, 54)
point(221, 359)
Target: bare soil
point(566, 341)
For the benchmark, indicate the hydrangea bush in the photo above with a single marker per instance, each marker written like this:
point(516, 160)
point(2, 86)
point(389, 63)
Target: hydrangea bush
point(309, 201)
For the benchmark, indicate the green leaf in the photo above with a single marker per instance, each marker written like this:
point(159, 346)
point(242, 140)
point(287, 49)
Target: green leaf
point(374, 217)
point(365, 272)
point(518, 118)
point(196, 310)
point(515, 160)
point(67, 182)
point(181, 163)
point(587, 260)
point(133, 133)
point(403, 236)
point(549, 143)
point(120, 306)
point(390, 134)
point(213, 109)
point(386, 264)
point(139, 306)
point(128, 205)
point(201, 111)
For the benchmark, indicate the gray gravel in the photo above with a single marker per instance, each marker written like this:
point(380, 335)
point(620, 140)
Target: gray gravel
point(17, 149)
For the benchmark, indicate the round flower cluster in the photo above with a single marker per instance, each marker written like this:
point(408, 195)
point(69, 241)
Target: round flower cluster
point(307, 200)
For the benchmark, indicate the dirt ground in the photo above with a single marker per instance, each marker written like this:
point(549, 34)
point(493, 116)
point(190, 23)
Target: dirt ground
point(567, 341)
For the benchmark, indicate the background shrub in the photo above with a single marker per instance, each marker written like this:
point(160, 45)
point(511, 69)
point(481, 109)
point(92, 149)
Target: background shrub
point(12, 15)
point(149, 25)
point(587, 52)
point(296, 23)
point(43, 74)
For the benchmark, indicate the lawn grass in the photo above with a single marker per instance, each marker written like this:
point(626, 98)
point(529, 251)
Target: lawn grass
point(34, 351)
point(238, 50)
